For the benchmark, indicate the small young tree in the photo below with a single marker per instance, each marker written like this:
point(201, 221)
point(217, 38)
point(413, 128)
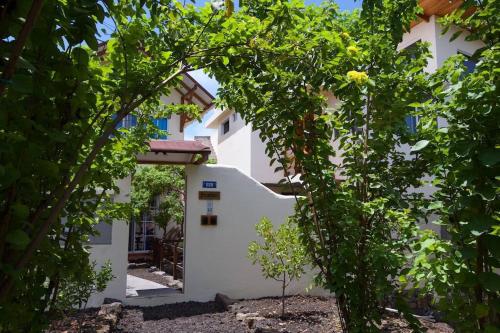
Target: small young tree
point(281, 256)
point(166, 182)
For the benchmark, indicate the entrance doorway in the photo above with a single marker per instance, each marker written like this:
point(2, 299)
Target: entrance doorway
point(156, 249)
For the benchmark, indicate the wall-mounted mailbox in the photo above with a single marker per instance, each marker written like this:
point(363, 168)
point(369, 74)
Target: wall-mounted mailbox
point(209, 220)
point(209, 195)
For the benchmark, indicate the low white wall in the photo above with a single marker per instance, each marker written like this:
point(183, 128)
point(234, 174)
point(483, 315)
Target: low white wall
point(216, 256)
point(116, 252)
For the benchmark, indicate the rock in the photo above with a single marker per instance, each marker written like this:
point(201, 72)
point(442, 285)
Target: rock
point(152, 269)
point(242, 316)
point(224, 301)
point(103, 329)
point(107, 317)
point(108, 300)
point(251, 321)
point(112, 308)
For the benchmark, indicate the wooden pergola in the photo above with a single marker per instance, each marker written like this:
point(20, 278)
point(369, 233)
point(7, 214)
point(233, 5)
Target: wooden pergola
point(193, 93)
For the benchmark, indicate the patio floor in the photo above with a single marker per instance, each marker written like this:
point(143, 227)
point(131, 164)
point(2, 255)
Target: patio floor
point(137, 286)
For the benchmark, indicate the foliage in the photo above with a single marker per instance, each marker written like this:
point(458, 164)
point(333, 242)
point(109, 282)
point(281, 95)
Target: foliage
point(281, 255)
point(460, 266)
point(164, 182)
point(78, 288)
point(62, 96)
point(358, 216)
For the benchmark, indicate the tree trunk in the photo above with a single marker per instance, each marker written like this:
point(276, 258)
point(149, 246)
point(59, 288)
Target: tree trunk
point(283, 288)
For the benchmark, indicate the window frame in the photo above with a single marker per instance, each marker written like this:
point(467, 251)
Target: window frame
point(225, 127)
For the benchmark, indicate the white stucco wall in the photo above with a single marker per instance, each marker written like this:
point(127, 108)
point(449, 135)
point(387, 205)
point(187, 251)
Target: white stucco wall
point(216, 256)
point(116, 253)
point(174, 132)
point(234, 148)
point(261, 169)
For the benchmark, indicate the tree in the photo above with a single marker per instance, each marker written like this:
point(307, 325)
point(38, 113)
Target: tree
point(165, 182)
point(358, 215)
point(281, 256)
point(62, 96)
point(460, 267)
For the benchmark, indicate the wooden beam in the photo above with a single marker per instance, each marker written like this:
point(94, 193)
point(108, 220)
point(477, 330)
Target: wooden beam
point(205, 103)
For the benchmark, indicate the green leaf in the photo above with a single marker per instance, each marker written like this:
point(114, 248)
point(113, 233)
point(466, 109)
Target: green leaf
point(490, 157)
point(420, 145)
point(435, 205)
point(22, 83)
point(490, 281)
point(20, 211)
point(18, 238)
point(225, 61)
point(481, 310)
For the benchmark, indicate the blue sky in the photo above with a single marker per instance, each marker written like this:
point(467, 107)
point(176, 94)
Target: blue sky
point(198, 128)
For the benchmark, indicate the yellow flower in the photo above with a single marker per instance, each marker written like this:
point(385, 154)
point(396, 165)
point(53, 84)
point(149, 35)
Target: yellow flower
point(357, 77)
point(352, 50)
point(345, 35)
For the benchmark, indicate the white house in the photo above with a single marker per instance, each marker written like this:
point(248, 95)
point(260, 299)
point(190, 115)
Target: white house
point(225, 201)
point(237, 144)
point(214, 253)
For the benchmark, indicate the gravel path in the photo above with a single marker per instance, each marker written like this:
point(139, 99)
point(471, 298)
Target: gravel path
point(304, 314)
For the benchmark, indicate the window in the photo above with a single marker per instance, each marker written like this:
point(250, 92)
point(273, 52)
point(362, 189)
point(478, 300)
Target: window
point(412, 49)
point(225, 127)
point(411, 123)
point(235, 117)
point(142, 230)
point(161, 124)
point(130, 121)
point(468, 63)
point(127, 122)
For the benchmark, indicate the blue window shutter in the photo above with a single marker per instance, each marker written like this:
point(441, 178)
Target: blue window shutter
point(411, 123)
point(161, 124)
point(134, 120)
point(470, 64)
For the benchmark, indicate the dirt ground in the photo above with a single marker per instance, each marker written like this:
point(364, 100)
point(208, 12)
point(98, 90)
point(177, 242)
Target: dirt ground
point(304, 314)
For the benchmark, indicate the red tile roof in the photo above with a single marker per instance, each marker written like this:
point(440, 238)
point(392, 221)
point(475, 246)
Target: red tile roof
point(178, 146)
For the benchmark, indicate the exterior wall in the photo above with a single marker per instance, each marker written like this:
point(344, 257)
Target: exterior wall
point(425, 32)
point(216, 256)
point(234, 147)
point(116, 253)
point(174, 121)
point(260, 168)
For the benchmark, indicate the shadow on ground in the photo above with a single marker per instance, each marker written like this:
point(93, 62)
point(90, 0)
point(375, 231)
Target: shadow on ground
point(173, 311)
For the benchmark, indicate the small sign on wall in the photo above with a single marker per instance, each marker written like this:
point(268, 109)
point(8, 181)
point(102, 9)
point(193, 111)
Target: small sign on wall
point(209, 184)
point(209, 195)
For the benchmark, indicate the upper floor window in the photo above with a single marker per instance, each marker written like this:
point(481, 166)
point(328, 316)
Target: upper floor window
point(225, 127)
point(411, 123)
point(412, 49)
point(235, 117)
point(130, 121)
point(468, 63)
point(161, 124)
